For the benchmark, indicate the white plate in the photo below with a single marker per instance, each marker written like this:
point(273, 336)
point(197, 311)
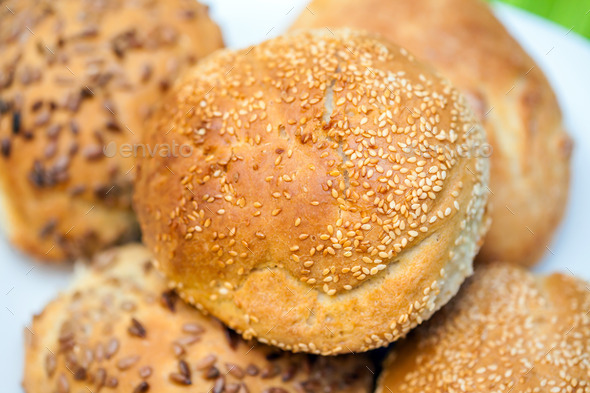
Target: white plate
point(25, 286)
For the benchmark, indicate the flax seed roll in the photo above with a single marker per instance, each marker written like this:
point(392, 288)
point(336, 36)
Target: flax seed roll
point(329, 204)
point(507, 330)
point(120, 329)
point(76, 77)
point(530, 149)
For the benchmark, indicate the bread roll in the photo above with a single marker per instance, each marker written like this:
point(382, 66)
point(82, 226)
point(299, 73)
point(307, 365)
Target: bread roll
point(77, 78)
point(329, 204)
point(530, 151)
point(119, 329)
point(506, 331)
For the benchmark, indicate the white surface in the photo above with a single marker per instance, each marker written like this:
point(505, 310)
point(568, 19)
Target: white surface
point(25, 286)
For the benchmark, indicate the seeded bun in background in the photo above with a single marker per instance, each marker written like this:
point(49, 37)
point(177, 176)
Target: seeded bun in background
point(119, 329)
point(510, 95)
point(76, 76)
point(507, 330)
point(330, 202)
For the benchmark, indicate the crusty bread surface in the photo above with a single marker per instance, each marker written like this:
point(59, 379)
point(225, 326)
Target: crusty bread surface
point(330, 202)
point(507, 330)
point(77, 80)
point(119, 328)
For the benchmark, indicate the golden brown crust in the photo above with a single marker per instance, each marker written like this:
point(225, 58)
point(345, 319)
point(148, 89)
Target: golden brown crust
point(69, 73)
point(119, 328)
point(509, 93)
point(327, 206)
point(506, 331)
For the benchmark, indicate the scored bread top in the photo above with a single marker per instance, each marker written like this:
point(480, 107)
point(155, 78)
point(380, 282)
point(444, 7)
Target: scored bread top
point(529, 148)
point(318, 160)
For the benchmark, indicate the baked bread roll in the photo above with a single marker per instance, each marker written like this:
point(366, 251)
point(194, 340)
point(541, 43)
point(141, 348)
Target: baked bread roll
point(530, 151)
point(77, 79)
point(119, 329)
point(328, 204)
point(506, 331)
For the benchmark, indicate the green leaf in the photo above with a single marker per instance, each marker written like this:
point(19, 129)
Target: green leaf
point(572, 14)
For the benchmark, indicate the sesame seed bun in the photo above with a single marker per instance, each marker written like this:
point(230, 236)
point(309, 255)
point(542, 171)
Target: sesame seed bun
point(70, 73)
point(506, 331)
point(326, 206)
point(119, 329)
point(530, 150)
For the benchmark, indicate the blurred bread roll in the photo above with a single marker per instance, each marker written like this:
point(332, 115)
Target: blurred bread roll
point(328, 204)
point(507, 330)
point(530, 150)
point(77, 79)
point(119, 329)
